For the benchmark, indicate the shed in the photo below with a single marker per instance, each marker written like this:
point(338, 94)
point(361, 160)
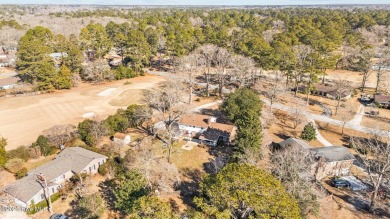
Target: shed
point(121, 138)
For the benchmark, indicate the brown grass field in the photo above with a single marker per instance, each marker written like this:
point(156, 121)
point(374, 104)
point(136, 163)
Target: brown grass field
point(22, 119)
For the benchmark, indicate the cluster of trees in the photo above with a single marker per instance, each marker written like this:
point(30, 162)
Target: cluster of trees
point(35, 66)
point(296, 41)
point(90, 130)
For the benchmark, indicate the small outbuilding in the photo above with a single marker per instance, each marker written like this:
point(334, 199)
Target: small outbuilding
point(121, 138)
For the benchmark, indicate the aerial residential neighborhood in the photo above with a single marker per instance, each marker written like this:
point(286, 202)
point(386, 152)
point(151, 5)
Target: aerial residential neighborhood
point(224, 109)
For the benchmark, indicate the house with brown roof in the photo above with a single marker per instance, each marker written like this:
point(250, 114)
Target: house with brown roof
point(382, 100)
point(69, 162)
point(206, 129)
point(327, 91)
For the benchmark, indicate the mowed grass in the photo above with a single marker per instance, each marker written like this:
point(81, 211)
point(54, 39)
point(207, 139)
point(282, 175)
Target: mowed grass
point(127, 97)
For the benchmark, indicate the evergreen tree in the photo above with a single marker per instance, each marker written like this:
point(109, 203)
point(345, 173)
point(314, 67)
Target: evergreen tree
point(130, 187)
point(243, 107)
point(64, 78)
point(3, 157)
point(309, 132)
point(243, 191)
point(95, 41)
point(151, 207)
point(34, 63)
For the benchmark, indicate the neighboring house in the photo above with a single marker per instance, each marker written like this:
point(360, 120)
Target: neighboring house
point(382, 100)
point(327, 91)
point(291, 142)
point(332, 161)
point(58, 55)
point(121, 138)
point(328, 161)
point(7, 83)
point(69, 162)
point(207, 129)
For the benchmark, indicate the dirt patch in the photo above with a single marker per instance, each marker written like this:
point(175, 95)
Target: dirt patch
point(24, 118)
point(6, 178)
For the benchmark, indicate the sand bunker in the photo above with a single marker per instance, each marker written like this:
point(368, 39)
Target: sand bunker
point(88, 115)
point(106, 92)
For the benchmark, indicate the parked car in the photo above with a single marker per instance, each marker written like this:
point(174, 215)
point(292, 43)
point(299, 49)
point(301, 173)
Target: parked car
point(339, 183)
point(59, 216)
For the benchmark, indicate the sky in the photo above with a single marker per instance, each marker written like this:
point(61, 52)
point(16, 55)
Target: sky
point(196, 2)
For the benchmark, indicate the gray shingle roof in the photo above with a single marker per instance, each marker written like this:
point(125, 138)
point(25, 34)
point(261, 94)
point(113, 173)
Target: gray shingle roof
point(72, 159)
point(294, 142)
point(24, 189)
point(333, 153)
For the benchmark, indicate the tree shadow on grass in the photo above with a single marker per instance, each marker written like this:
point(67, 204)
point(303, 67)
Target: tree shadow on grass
point(189, 187)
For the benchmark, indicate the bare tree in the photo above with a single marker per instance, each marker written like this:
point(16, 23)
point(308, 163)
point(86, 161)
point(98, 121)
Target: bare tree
point(302, 53)
point(60, 134)
point(167, 102)
point(382, 67)
point(346, 114)
point(342, 88)
point(222, 60)
point(208, 54)
point(190, 66)
point(159, 173)
point(365, 66)
point(292, 165)
point(273, 87)
point(243, 69)
point(296, 112)
point(374, 153)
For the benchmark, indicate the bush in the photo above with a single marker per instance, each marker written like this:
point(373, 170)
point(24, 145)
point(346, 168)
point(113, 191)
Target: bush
point(21, 152)
point(14, 165)
point(309, 132)
point(43, 143)
point(21, 173)
point(102, 170)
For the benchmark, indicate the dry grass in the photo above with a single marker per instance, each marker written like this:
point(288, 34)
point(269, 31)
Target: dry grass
point(33, 163)
point(31, 115)
point(193, 159)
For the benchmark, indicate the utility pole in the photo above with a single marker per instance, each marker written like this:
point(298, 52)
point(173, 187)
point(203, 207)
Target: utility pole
point(43, 181)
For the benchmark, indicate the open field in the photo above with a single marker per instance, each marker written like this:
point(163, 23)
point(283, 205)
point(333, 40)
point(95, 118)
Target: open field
point(24, 118)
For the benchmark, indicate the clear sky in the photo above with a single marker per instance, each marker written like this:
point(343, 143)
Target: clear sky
point(196, 2)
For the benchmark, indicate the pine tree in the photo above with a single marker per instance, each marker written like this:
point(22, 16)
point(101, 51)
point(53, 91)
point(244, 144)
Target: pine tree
point(309, 132)
point(64, 78)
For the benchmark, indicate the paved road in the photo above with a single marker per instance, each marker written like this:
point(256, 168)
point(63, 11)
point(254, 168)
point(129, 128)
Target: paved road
point(325, 119)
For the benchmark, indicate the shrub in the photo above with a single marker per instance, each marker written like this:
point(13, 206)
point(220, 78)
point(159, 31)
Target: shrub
point(309, 132)
point(14, 165)
point(43, 143)
point(21, 173)
point(34, 152)
point(21, 152)
point(102, 170)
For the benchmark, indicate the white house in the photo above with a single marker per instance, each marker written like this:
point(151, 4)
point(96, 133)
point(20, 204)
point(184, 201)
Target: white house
point(207, 129)
point(121, 138)
point(70, 161)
